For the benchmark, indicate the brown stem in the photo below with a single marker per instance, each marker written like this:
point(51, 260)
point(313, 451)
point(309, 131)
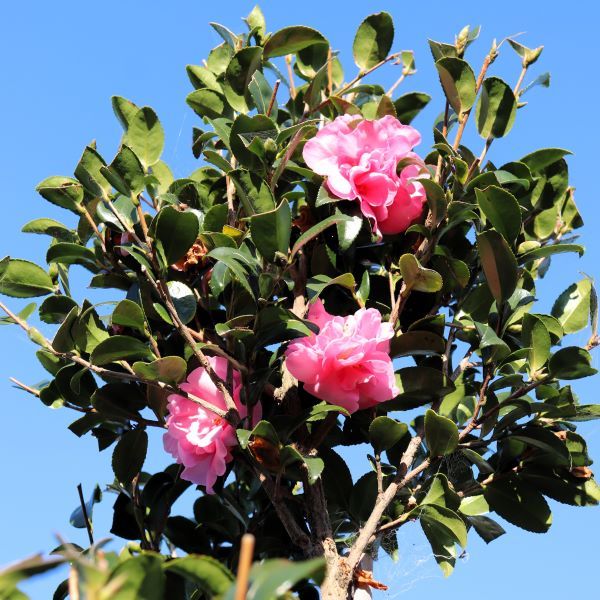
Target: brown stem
point(24, 387)
point(230, 191)
point(108, 374)
point(88, 217)
point(402, 479)
point(363, 74)
point(288, 62)
point(273, 96)
point(480, 402)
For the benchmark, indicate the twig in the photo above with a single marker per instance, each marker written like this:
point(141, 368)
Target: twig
point(25, 387)
point(108, 374)
point(288, 62)
point(363, 74)
point(88, 523)
point(396, 84)
point(244, 564)
point(273, 96)
point(480, 402)
point(88, 217)
point(402, 479)
point(230, 191)
point(461, 127)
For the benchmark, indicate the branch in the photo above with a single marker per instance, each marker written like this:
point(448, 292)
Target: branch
point(489, 59)
point(88, 523)
point(402, 479)
point(480, 402)
point(108, 374)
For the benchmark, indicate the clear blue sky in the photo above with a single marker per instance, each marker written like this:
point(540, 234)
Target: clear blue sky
point(60, 63)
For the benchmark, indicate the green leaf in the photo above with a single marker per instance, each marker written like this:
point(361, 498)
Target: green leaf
point(63, 338)
point(145, 136)
point(419, 386)
point(271, 231)
point(129, 455)
point(120, 347)
point(441, 434)
point(211, 576)
point(89, 173)
point(243, 131)
point(23, 279)
point(496, 109)
point(129, 314)
point(538, 340)
point(417, 277)
point(55, 309)
point(408, 106)
point(585, 412)
point(436, 198)
point(363, 497)
point(62, 191)
point(550, 250)
point(125, 172)
point(317, 229)
point(385, 433)
point(175, 232)
point(67, 253)
point(487, 528)
point(441, 493)
point(540, 159)
point(528, 55)
point(276, 577)
point(546, 441)
point(572, 307)
point(209, 103)
point(458, 81)
point(290, 40)
point(502, 210)
point(125, 110)
point(373, 40)
point(139, 577)
point(417, 343)
point(446, 518)
point(183, 300)
point(253, 191)
point(571, 362)
point(499, 265)
point(567, 490)
point(519, 503)
point(49, 227)
point(169, 369)
point(234, 260)
point(239, 74)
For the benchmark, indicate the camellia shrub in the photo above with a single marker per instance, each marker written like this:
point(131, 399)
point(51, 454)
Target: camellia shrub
point(322, 280)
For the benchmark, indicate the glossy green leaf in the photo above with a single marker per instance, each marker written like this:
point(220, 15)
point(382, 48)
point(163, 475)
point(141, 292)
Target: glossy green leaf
point(441, 434)
point(271, 231)
point(519, 503)
point(120, 347)
point(571, 362)
point(496, 109)
point(210, 575)
point(129, 314)
point(290, 40)
point(184, 300)
point(417, 277)
point(499, 264)
point(385, 432)
point(62, 191)
point(175, 232)
point(572, 307)
point(373, 40)
point(502, 210)
point(458, 81)
point(23, 279)
point(145, 136)
point(169, 369)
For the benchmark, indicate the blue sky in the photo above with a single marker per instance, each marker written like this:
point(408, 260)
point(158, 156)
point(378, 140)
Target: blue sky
point(60, 64)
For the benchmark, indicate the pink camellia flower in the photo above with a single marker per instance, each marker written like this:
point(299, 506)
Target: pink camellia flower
point(360, 157)
point(347, 363)
point(198, 439)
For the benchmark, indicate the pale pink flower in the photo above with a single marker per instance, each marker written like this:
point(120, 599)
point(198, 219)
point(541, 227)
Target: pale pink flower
point(347, 363)
point(359, 158)
point(197, 438)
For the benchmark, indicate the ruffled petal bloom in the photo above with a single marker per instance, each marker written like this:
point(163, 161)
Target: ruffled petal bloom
point(197, 438)
point(347, 363)
point(360, 158)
